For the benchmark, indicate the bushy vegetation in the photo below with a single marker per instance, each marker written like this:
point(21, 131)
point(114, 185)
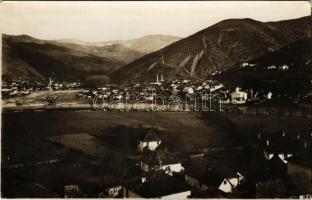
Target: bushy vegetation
point(97, 81)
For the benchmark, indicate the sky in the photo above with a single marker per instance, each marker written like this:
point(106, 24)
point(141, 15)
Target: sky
point(103, 21)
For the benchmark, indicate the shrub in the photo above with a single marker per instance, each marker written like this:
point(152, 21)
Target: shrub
point(96, 81)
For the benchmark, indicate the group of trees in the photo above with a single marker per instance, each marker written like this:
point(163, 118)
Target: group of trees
point(96, 81)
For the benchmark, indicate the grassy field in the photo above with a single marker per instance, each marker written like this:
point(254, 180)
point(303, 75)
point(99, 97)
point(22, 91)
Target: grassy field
point(35, 98)
point(185, 131)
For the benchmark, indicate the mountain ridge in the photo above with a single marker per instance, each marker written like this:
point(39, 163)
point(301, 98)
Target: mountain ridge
point(22, 53)
point(139, 44)
point(31, 58)
point(218, 47)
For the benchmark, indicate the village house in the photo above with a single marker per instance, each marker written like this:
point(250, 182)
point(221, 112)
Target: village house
point(284, 67)
point(206, 174)
point(149, 141)
point(231, 182)
point(113, 191)
point(188, 90)
point(202, 180)
point(271, 67)
point(238, 97)
point(106, 186)
point(282, 144)
point(72, 191)
point(171, 167)
point(167, 162)
point(269, 95)
point(216, 87)
point(158, 184)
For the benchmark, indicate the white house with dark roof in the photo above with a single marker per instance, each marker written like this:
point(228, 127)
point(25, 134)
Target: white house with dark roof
point(231, 182)
point(283, 145)
point(238, 96)
point(149, 141)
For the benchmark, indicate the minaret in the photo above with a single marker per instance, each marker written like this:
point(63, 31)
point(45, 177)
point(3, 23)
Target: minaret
point(162, 78)
point(305, 145)
point(50, 83)
point(157, 81)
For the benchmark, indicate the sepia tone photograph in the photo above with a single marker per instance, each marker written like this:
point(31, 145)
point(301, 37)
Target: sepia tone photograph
point(156, 99)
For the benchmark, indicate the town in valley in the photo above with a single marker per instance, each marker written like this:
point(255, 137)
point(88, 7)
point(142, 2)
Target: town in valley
point(222, 113)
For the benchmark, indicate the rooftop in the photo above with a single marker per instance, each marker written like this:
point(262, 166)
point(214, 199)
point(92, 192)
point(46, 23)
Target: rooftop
point(150, 135)
point(159, 184)
point(279, 143)
point(209, 171)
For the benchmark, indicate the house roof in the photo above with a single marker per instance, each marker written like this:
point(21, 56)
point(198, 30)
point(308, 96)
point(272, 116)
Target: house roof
point(283, 144)
point(106, 181)
point(209, 193)
point(208, 173)
point(159, 184)
point(150, 135)
point(97, 184)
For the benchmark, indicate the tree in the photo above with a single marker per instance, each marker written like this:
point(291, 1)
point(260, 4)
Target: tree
point(51, 100)
point(96, 81)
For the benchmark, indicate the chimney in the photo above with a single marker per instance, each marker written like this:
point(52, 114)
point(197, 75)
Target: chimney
point(267, 142)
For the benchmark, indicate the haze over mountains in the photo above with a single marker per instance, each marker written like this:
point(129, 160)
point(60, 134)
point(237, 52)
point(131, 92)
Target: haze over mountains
point(123, 50)
point(31, 58)
point(145, 44)
point(219, 47)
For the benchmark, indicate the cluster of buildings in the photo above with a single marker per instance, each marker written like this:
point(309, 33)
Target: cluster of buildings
point(281, 166)
point(288, 156)
point(20, 87)
point(282, 67)
point(201, 90)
